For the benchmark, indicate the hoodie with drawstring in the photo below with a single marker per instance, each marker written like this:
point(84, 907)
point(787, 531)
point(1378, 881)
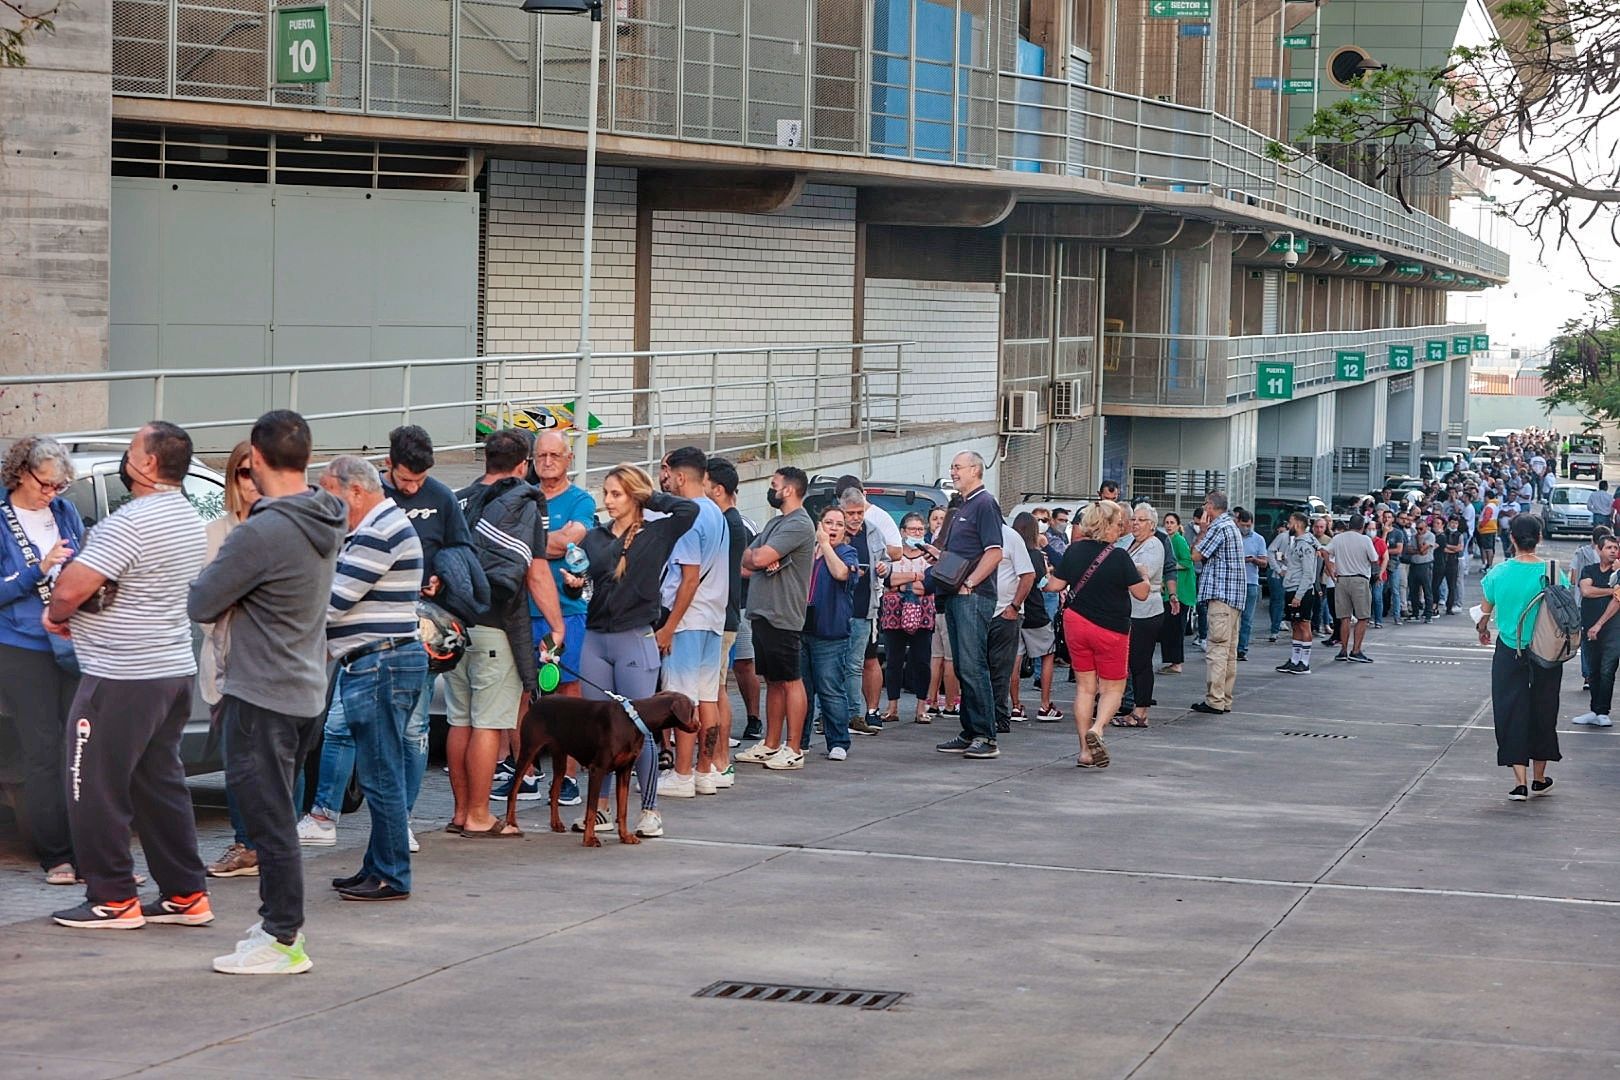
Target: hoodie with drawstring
point(273, 579)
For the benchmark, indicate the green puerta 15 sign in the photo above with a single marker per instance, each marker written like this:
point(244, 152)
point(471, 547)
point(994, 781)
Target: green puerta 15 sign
point(303, 45)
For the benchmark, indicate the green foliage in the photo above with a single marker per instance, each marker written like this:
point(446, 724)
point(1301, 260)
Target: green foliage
point(1581, 366)
point(28, 22)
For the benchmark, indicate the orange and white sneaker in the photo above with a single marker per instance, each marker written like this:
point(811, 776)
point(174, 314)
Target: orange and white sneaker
point(192, 910)
point(114, 915)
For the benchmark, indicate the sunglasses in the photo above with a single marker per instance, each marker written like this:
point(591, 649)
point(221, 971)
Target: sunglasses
point(244, 473)
point(58, 487)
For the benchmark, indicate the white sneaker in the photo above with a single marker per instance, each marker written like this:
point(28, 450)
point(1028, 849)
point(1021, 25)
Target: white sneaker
point(606, 821)
point(1585, 718)
point(261, 954)
point(733, 742)
point(413, 844)
point(650, 824)
point(837, 753)
point(313, 832)
point(673, 785)
point(703, 783)
point(785, 759)
point(1603, 721)
point(758, 754)
point(723, 778)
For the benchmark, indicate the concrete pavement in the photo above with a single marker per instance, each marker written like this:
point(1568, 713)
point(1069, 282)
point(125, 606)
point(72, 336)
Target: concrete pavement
point(1229, 899)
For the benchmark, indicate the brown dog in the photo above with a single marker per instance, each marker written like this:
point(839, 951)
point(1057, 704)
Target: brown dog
point(602, 738)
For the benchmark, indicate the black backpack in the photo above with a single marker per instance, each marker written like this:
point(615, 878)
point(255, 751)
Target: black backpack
point(502, 516)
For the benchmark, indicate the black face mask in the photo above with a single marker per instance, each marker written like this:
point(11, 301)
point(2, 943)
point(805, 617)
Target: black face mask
point(123, 472)
point(774, 497)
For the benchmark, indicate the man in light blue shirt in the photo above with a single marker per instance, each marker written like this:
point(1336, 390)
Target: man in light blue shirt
point(1256, 556)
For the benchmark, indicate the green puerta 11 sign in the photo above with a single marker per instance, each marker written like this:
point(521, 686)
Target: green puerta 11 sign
point(1274, 381)
point(303, 45)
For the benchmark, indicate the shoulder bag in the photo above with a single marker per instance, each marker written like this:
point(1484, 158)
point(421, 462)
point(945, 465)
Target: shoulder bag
point(61, 648)
point(950, 571)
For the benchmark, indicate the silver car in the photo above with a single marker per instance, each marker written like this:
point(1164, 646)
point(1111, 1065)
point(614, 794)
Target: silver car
point(1566, 509)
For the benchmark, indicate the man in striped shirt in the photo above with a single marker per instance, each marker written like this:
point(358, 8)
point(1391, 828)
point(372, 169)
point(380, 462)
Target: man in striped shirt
point(371, 632)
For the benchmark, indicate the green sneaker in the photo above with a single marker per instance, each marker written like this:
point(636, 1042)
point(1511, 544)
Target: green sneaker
point(261, 954)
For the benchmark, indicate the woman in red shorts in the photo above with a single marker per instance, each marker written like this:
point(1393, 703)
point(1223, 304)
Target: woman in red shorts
point(1097, 620)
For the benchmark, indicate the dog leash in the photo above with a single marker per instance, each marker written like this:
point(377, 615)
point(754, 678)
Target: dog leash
point(624, 702)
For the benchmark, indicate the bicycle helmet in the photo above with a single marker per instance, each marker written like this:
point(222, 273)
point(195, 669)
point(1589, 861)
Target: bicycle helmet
point(443, 635)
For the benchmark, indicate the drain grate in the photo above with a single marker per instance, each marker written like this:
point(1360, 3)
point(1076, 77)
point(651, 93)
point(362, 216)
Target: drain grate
point(1442, 663)
point(1315, 735)
point(802, 995)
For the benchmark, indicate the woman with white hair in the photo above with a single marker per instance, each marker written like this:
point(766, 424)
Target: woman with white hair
point(1097, 621)
point(41, 532)
point(1147, 615)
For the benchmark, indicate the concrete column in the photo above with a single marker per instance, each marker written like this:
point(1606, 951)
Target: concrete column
point(1360, 422)
point(55, 195)
point(1404, 411)
point(1436, 387)
point(1457, 407)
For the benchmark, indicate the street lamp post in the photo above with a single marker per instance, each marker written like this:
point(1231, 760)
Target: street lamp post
point(582, 366)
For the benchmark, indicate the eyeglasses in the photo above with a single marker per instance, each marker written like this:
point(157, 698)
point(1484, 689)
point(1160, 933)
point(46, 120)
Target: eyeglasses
point(58, 487)
point(244, 473)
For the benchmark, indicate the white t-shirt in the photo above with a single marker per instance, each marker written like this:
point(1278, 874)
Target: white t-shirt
point(884, 525)
point(1014, 564)
point(1148, 556)
point(40, 528)
point(706, 545)
point(154, 547)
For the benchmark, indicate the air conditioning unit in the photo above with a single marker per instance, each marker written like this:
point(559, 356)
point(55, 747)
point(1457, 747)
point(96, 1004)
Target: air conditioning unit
point(1069, 397)
point(1021, 411)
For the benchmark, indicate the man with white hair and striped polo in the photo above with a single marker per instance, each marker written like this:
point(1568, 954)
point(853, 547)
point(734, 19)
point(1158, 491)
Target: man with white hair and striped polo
point(371, 631)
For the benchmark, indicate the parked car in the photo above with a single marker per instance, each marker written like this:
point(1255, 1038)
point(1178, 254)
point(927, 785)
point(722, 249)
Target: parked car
point(1566, 509)
point(96, 492)
point(896, 498)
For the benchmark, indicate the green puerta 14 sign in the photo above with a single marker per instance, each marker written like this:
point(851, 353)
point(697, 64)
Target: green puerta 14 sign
point(303, 45)
point(1434, 350)
point(1274, 381)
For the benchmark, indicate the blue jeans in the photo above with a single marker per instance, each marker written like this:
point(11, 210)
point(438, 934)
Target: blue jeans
point(825, 663)
point(1251, 601)
point(967, 621)
point(337, 754)
point(860, 635)
point(1279, 600)
point(379, 692)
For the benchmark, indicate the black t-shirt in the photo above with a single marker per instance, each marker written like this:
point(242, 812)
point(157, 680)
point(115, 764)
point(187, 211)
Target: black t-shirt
point(1106, 599)
point(1592, 609)
point(1035, 615)
point(741, 537)
point(437, 518)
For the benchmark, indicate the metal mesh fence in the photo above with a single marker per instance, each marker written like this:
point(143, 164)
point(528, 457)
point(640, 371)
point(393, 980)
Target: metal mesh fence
point(410, 47)
point(220, 49)
point(140, 57)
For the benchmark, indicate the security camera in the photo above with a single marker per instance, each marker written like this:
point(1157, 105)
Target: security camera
point(1290, 258)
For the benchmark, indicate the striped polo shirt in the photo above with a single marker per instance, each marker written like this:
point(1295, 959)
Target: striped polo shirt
point(154, 548)
point(379, 574)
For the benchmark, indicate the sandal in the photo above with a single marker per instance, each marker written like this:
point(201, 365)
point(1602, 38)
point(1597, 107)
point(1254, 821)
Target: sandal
point(1123, 720)
point(493, 832)
point(63, 874)
point(1099, 752)
point(455, 829)
point(1138, 721)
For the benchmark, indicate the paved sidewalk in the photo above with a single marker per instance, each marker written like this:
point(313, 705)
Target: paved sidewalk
point(1329, 882)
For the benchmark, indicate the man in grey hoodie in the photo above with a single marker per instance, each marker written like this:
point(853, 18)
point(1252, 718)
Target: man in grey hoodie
point(269, 588)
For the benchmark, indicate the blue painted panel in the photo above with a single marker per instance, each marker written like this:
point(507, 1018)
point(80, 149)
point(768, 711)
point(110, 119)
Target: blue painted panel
point(1027, 148)
point(919, 76)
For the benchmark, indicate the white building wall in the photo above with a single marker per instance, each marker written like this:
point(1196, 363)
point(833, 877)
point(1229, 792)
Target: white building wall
point(950, 374)
point(757, 279)
point(536, 214)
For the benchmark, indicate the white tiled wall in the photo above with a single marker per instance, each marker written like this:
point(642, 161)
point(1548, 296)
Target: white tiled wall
point(532, 286)
point(950, 374)
point(757, 279)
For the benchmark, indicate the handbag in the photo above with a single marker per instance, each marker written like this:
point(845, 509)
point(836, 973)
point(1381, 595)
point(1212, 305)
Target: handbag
point(950, 570)
point(1074, 590)
point(62, 650)
point(906, 612)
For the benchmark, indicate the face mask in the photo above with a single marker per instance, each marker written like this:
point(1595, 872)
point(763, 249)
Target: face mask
point(774, 497)
point(123, 472)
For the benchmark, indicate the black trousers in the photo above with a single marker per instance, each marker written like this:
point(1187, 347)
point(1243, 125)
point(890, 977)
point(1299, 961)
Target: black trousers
point(123, 761)
point(1173, 637)
point(1451, 574)
point(1144, 635)
point(906, 663)
point(37, 694)
point(1524, 699)
point(1420, 588)
point(1003, 653)
point(262, 752)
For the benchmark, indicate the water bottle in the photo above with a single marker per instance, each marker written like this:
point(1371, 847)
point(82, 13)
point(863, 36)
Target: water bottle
point(576, 562)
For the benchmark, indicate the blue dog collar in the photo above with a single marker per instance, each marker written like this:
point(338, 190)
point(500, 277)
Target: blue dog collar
point(630, 711)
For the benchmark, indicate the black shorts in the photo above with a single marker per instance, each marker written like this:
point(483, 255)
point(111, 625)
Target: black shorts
point(1306, 611)
point(871, 649)
point(776, 652)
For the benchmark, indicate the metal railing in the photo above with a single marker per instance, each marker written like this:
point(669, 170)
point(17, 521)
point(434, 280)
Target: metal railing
point(754, 74)
point(766, 401)
point(1202, 371)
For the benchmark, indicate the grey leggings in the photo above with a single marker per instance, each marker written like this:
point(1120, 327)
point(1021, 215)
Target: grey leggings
point(626, 662)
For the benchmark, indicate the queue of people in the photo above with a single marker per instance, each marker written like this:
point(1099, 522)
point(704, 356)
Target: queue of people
point(312, 598)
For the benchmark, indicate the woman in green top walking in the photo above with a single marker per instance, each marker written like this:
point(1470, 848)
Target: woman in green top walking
point(1524, 695)
point(1181, 596)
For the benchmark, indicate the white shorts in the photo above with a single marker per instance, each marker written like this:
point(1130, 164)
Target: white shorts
point(693, 665)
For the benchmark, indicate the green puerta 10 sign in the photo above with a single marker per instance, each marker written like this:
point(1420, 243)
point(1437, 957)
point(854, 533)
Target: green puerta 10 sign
point(1349, 365)
point(303, 45)
point(1274, 381)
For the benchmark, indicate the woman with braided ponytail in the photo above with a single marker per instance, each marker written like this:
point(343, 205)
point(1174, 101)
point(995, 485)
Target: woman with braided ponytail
point(627, 557)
